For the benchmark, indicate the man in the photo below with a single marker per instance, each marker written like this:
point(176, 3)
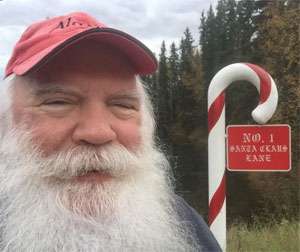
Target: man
point(79, 167)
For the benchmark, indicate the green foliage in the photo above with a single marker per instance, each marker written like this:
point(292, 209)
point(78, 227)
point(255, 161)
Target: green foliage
point(280, 50)
point(275, 237)
point(186, 52)
point(174, 66)
point(260, 32)
point(208, 44)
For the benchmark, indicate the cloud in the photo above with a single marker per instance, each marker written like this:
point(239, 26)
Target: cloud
point(150, 21)
point(9, 34)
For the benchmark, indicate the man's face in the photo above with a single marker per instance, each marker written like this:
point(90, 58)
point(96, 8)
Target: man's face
point(80, 99)
point(79, 171)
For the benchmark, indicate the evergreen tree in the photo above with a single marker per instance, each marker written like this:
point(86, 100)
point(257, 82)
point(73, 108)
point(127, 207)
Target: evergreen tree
point(231, 33)
point(163, 67)
point(220, 31)
point(163, 115)
point(247, 29)
point(208, 43)
point(174, 76)
point(186, 48)
point(173, 61)
point(187, 127)
point(151, 86)
point(225, 33)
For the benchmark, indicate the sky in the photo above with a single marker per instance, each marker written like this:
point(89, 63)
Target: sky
point(150, 21)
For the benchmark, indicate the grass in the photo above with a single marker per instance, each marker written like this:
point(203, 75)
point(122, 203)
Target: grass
point(280, 237)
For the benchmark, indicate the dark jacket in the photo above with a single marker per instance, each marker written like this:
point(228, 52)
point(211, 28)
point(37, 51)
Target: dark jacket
point(202, 233)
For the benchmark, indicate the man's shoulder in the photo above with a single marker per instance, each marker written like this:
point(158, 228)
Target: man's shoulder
point(199, 227)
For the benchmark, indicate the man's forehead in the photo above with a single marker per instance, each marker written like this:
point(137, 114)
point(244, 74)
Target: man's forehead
point(52, 88)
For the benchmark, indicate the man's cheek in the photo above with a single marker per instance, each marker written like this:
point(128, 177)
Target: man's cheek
point(49, 139)
point(130, 136)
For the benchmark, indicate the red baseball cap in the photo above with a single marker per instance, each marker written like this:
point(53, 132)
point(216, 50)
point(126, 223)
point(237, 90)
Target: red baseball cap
point(42, 40)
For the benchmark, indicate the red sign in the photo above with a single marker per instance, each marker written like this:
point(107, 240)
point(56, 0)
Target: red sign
point(258, 148)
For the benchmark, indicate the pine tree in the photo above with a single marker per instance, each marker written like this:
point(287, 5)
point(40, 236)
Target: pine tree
point(231, 33)
point(163, 67)
point(163, 115)
point(186, 48)
point(173, 62)
point(247, 29)
point(226, 33)
point(220, 30)
point(174, 76)
point(208, 43)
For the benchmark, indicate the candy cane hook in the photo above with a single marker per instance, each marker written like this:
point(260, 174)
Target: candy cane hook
point(216, 128)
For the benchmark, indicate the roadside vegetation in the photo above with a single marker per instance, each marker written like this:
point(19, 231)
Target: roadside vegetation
point(274, 237)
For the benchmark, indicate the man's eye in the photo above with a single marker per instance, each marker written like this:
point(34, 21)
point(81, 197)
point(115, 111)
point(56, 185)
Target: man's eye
point(124, 106)
point(56, 103)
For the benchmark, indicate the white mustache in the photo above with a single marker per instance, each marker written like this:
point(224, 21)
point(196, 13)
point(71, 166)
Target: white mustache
point(114, 160)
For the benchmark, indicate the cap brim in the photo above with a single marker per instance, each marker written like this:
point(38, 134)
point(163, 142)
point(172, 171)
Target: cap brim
point(140, 56)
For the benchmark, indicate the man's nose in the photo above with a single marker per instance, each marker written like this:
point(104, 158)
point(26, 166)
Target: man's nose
point(94, 126)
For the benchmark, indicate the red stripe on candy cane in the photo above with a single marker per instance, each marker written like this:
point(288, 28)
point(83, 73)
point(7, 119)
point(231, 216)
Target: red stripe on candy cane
point(265, 82)
point(215, 111)
point(217, 201)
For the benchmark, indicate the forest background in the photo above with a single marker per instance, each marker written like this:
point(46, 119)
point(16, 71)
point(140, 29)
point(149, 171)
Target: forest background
point(260, 32)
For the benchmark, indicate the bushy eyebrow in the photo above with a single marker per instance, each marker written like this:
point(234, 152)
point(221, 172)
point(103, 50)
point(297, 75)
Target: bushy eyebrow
point(53, 89)
point(128, 94)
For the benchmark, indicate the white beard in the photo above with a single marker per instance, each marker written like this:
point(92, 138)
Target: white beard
point(42, 210)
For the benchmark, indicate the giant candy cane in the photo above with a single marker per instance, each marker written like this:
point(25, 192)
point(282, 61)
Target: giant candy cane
point(216, 127)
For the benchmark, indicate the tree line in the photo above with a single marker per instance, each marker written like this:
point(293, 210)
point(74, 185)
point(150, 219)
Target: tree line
point(262, 32)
